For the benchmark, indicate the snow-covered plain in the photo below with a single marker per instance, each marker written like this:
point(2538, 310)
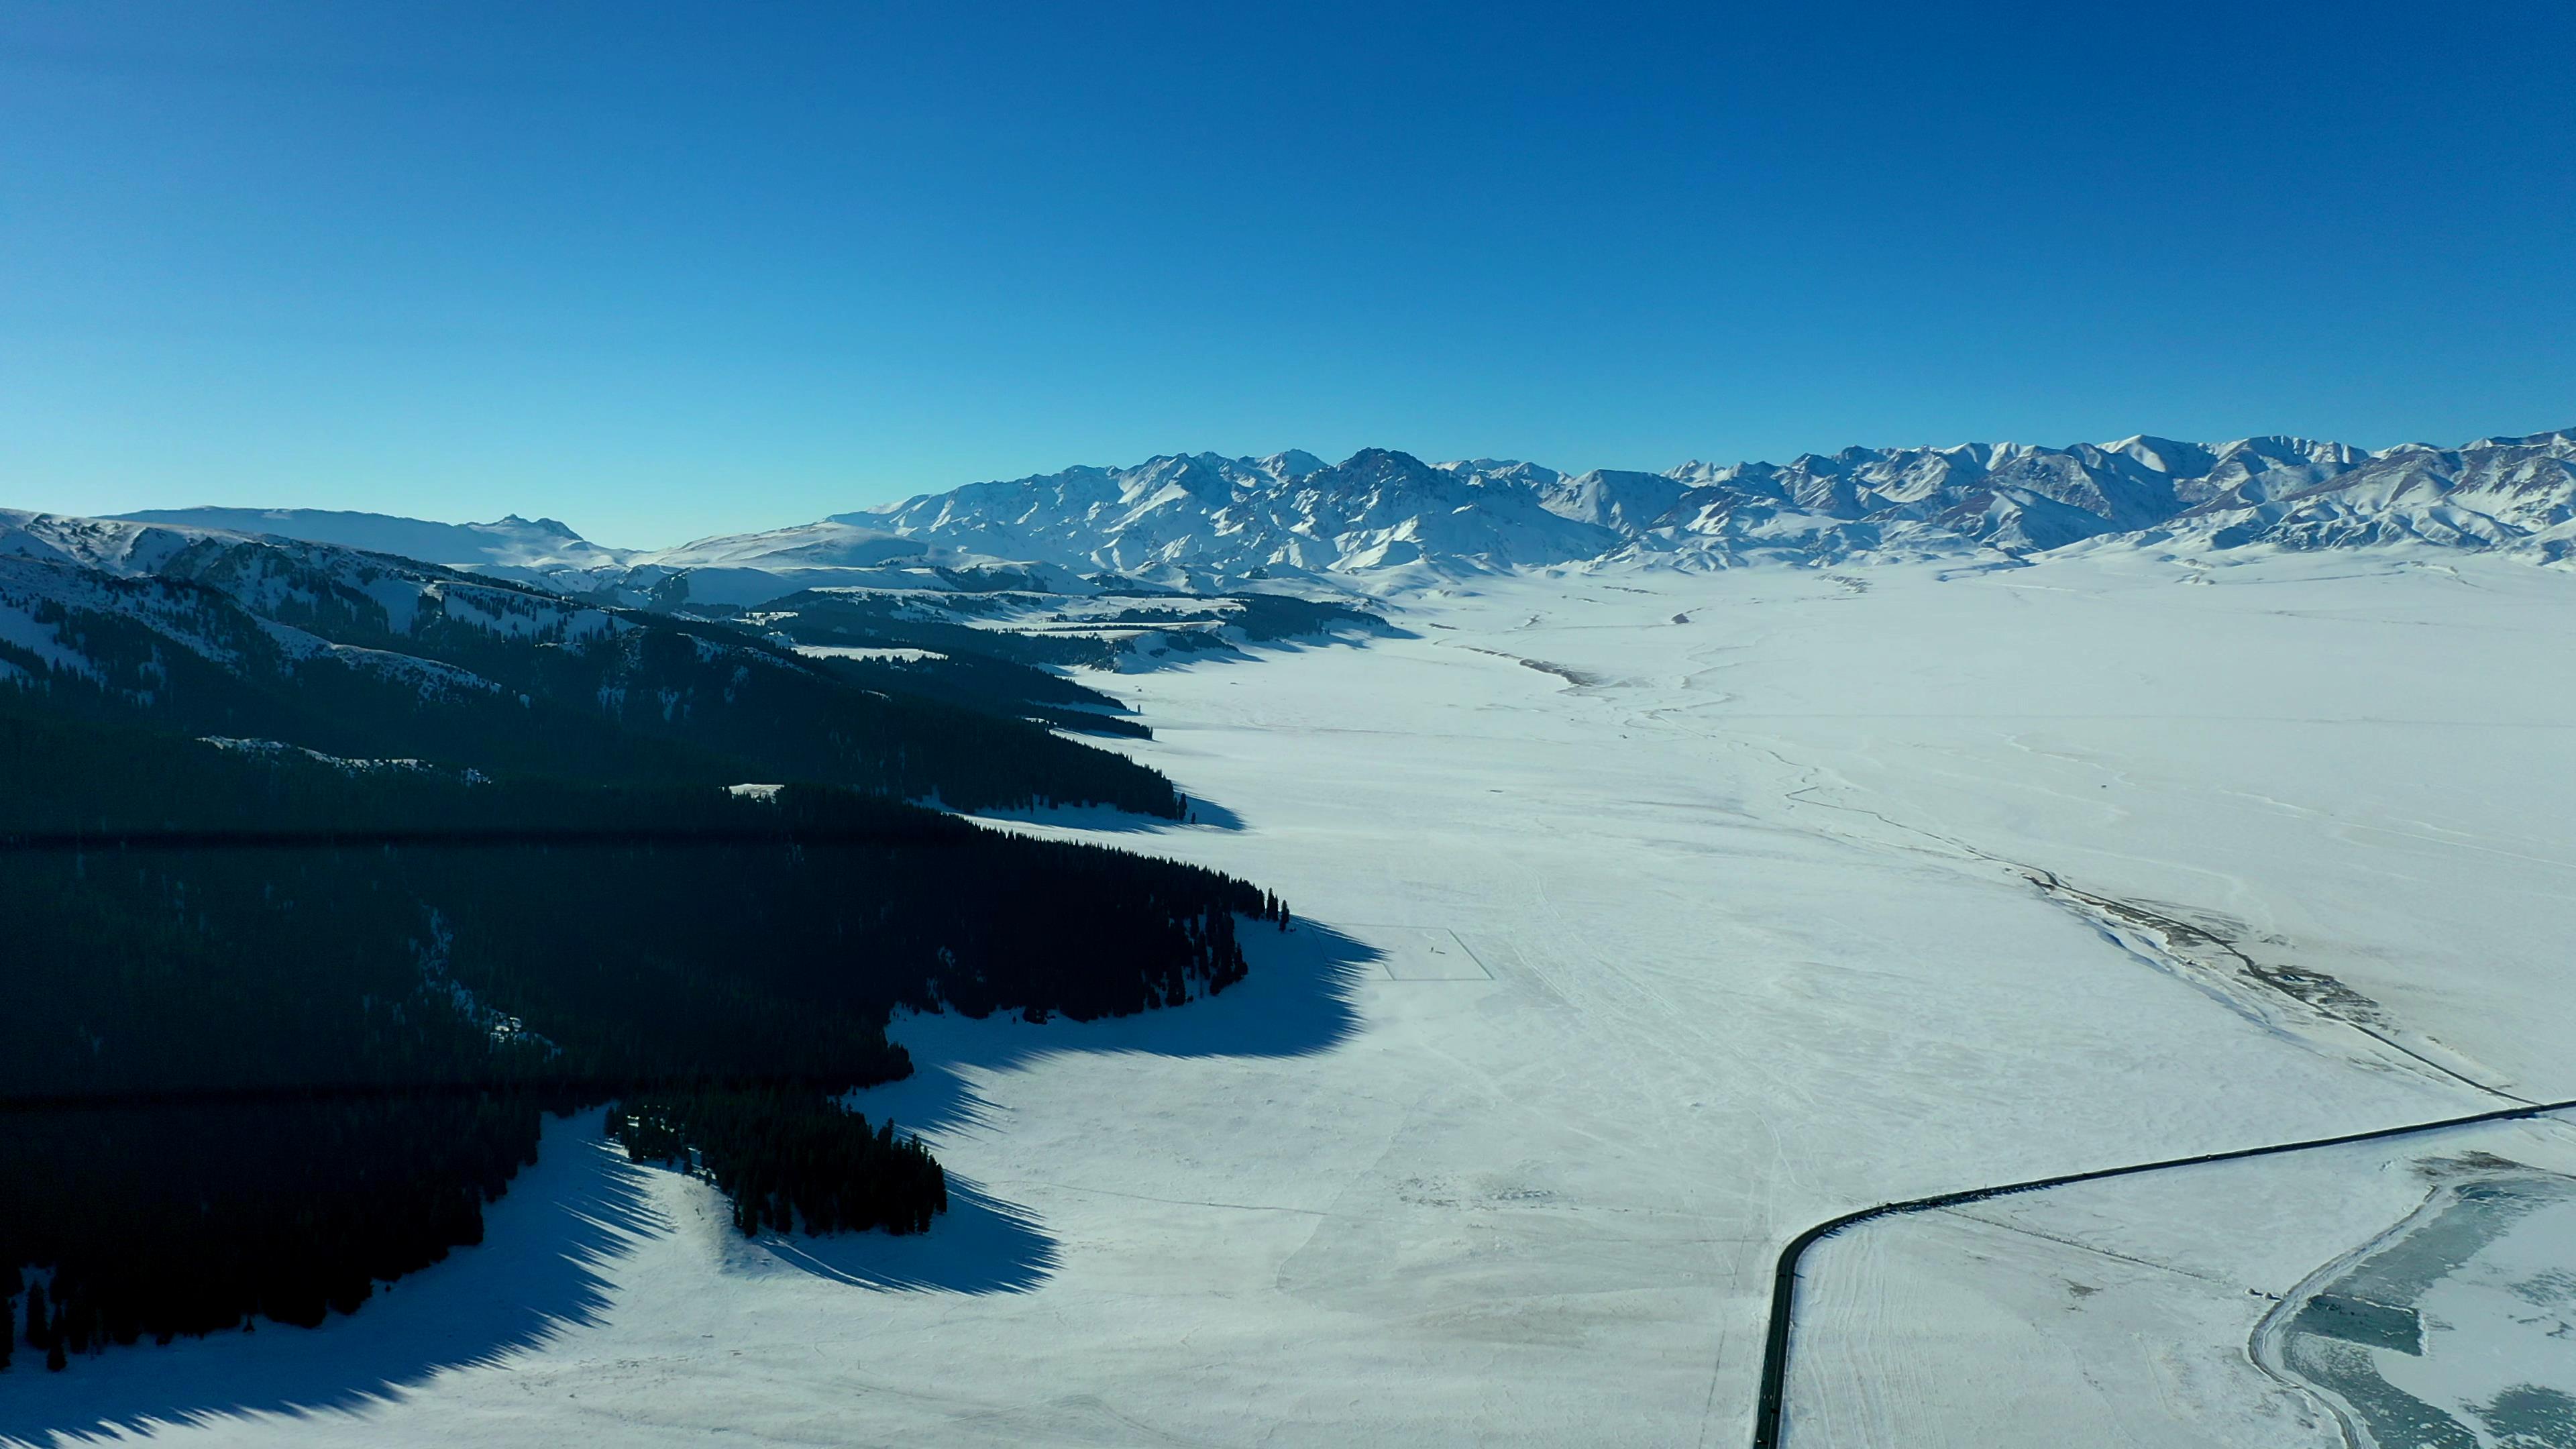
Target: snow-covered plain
point(1649, 918)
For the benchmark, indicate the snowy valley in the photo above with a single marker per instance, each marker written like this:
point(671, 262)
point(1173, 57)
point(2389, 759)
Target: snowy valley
point(1384, 519)
point(1680, 860)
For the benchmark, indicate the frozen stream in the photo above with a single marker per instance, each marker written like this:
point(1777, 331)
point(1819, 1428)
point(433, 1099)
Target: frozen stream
point(2457, 1330)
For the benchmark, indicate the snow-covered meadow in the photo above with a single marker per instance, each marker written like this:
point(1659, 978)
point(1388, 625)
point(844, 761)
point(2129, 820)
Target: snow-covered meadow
point(1648, 918)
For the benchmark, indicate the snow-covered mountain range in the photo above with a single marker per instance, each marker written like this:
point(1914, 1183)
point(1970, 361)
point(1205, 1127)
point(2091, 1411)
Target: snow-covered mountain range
point(1379, 511)
point(1382, 518)
point(360, 655)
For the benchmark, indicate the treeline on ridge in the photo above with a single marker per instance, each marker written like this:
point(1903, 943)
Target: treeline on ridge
point(786, 1157)
point(496, 678)
point(846, 619)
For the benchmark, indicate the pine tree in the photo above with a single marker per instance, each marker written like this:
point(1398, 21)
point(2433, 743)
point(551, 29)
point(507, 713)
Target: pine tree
point(36, 1337)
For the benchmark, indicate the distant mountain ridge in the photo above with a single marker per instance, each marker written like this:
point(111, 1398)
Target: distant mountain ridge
point(1203, 515)
point(511, 540)
point(1384, 518)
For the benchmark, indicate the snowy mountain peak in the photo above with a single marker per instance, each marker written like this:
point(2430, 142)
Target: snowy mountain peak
point(511, 541)
point(1201, 518)
point(1291, 465)
point(1383, 517)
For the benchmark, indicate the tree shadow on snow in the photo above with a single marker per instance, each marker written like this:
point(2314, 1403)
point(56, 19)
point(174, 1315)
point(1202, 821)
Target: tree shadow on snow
point(554, 1241)
point(1211, 814)
point(1298, 1000)
point(542, 1269)
point(980, 1245)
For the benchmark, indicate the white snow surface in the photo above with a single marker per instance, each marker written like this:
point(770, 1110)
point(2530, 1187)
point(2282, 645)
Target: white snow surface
point(506, 542)
point(1646, 919)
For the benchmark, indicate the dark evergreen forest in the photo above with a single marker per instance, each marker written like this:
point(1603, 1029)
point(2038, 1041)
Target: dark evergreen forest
point(511, 681)
point(279, 1026)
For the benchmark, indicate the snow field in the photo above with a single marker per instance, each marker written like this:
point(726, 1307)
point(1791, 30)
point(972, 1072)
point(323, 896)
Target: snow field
point(1751, 891)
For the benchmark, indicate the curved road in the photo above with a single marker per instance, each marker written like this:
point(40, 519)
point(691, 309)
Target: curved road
point(1784, 1281)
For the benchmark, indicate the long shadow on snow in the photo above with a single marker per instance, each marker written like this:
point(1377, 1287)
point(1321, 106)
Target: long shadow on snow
point(980, 1245)
point(1297, 1001)
point(554, 1240)
point(543, 1268)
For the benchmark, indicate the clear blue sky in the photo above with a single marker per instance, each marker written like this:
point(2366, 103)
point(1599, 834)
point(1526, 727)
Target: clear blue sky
point(664, 271)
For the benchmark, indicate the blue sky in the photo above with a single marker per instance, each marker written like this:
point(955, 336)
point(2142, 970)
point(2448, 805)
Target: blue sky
point(666, 271)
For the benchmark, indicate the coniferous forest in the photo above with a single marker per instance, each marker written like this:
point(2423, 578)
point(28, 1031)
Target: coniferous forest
point(280, 1025)
point(261, 640)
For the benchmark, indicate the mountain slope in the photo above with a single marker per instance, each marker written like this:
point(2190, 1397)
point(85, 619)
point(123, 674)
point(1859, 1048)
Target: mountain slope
point(368, 656)
point(1208, 522)
point(511, 542)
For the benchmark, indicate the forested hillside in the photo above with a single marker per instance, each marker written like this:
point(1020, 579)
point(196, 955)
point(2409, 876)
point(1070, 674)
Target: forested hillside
point(1113, 624)
point(329, 1011)
point(367, 656)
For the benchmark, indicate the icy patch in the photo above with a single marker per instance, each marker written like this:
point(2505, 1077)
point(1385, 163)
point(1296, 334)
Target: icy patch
point(2460, 1321)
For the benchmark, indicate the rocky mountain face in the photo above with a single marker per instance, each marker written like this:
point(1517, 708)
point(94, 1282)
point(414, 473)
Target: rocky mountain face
point(1384, 518)
point(1204, 515)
